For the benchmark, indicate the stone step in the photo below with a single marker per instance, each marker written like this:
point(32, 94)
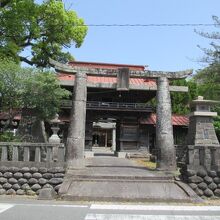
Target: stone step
point(121, 192)
point(139, 154)
point(117, 179)
point(121, 178)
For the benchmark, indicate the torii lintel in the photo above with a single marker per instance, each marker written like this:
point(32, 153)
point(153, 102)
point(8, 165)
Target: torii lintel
point(114, 72)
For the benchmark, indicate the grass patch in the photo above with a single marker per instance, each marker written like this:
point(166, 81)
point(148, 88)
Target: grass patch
point(146, 163)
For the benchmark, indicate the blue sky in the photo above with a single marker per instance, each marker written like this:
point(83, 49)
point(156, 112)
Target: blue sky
point(161, 48)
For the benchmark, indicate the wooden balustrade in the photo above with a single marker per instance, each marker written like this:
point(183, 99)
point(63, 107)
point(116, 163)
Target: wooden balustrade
point(36, 152)
point(112, 105)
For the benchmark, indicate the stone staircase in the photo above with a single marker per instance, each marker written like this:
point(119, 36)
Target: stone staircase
point(115, 179)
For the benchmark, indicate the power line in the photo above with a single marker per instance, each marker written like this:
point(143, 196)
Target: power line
point(150, 25)
point(147, 25)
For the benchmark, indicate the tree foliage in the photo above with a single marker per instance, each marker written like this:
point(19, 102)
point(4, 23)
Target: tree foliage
point(44, 29)
point(180, 101)
point(208, 79)
point(11, 85)
point(29, 88)
point(212, 54)
point(42, 92)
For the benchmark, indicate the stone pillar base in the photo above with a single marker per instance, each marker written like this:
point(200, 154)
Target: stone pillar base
point(121, 154)
point(89, 154)
point(76, 164)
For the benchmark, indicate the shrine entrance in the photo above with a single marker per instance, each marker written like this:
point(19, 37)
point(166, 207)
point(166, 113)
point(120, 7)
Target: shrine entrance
point(102, 138)
point(120, 80)
point(122, 92)
point(118, 130)
point(102, 134)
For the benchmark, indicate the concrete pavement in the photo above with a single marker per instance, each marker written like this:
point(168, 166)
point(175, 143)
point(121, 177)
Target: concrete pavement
point(57, 210)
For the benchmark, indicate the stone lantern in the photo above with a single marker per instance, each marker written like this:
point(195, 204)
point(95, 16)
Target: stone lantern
point(203, 151)
point(201, 130)
point(54, 138)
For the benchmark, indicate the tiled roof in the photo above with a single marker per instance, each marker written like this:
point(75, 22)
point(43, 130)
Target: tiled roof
point(177, 120)
point(180, 120)
point(101, 79)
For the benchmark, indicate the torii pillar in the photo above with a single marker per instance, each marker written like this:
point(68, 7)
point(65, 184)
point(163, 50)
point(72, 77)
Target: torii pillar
point(164, 129)
point(76, 135)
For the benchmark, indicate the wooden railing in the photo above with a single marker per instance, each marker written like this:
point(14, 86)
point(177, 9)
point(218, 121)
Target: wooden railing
point(36, 152)
point(112, 105)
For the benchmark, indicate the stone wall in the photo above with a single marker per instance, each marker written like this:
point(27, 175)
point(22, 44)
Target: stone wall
point(206, 184)
point(29, 180)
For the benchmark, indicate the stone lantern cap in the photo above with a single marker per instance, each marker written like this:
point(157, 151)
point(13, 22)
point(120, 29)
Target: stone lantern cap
point(202, 107)
point(200, 101)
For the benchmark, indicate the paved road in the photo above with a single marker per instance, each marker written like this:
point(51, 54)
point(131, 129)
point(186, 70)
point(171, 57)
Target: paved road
point(44, 210)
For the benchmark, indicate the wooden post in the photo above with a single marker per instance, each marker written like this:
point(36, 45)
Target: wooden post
point(106, 138)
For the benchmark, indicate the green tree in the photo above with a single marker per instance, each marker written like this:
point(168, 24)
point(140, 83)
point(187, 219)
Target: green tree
point(208, 79)
point(212, 54)
point(43, 93)
point(11, 87)
point(208, 82)
point(44, 29)
point(180, 101)
point(29, 88)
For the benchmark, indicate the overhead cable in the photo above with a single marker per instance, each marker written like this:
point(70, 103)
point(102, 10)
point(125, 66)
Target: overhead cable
point(150, 25)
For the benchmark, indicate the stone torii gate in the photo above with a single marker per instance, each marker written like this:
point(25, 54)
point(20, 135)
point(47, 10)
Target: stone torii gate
point(164, 130)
